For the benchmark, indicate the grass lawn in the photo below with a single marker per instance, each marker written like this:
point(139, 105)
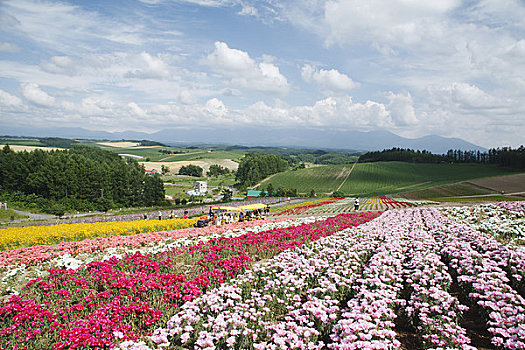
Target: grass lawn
point(10, 214)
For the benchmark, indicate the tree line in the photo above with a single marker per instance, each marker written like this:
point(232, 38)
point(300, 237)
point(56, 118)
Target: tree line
point(254, 167)
point(506, 156)
point(80, 179)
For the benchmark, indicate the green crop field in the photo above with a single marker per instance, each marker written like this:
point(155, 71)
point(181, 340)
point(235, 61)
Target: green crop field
point(20, 141)
point(389, 177)
point(323, 179)
point(452, 190)
point(381, 177)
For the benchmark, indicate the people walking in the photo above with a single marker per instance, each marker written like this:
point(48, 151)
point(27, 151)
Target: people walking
point(356, 204)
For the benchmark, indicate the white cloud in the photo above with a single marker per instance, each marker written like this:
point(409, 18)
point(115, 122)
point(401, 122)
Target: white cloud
point(216, 108)
point(401, 109)
point(248, 11)
point(331, 80)
point(146, 66)
point(59, 65)
point(34, 94)
point(352, 21)
point(332, 112)
point(245, 72)
point(67, 28)
point(463, 96)
point(9, 100)
point(8, 47)
point(136, 110)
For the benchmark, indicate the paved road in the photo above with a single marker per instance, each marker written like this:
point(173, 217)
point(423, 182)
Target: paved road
point(33, 216)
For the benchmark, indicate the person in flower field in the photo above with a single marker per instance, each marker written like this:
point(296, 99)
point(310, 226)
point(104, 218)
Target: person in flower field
point(356, 204)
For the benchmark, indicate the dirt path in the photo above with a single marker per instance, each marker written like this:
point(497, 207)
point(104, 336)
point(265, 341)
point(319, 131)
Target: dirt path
point(346, 177)
point(419, 184)
point(180, 154)
point(263, 181)
point(33, 216)
point(486, 195)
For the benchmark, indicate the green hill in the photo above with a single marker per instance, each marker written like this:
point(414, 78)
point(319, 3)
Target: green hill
point(380, 177)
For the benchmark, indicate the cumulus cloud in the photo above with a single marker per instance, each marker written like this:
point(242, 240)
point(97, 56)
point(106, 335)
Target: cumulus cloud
point(136, 110)
point(216, 108)
point(331, 80)
point(401, 108)
point(332, 112)
point(34, 94)
point(245, 71)
point(463, 95)
point(146, 66)
point(7, 99)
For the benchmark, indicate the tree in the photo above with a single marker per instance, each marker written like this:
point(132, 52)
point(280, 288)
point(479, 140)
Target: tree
point(216, 170)
point(191, 170)
point(270, 190)
point(164, 169)
point(256, 166)
point(226, 195)
point(153, 190)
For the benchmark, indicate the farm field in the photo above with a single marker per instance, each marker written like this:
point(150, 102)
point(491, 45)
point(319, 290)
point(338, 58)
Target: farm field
point(174, 166)
point(22, 148)
point(509, 184)
point(369, 179)
point(450, 190)
point(390, 177)
point(323, 179)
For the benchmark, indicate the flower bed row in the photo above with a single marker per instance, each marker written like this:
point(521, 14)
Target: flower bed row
point(125, 298)
point(35, 254)
point(341, 292)
point(495, 220)
point(15, 276)
point(486, 282)
point(17, 237)
point(513, 206)
point(301, 208)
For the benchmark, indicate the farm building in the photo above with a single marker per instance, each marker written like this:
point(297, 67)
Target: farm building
point(254, 194)
point(200, 188)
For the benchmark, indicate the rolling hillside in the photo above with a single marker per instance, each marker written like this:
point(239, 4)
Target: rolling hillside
point(381, 177)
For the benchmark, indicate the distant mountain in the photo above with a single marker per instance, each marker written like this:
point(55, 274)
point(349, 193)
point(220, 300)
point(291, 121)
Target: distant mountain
point(262, 136)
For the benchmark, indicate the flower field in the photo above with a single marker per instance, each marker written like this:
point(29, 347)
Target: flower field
point(346, 205)
point(19, 266)
point(502, 221)
point(17, 237)
point(384, 203)
point(124, 299)
point(513, 206)
point(301, 208)
point(410, 271)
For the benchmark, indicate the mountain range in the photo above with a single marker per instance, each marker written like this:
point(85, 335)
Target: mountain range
point(302, 138)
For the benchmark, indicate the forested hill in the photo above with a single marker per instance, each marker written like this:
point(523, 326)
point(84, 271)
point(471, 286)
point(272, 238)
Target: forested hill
point(506, 156)
point(83, 178)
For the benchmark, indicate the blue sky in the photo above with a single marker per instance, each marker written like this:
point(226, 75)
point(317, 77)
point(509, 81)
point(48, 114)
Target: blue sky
point(449, 67)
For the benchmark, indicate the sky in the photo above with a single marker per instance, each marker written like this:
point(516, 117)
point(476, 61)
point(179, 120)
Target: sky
point(442, 67)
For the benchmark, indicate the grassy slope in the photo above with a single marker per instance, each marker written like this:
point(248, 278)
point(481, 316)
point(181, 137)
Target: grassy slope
point(382, 177)
point(389, 177)
point(323, 179)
